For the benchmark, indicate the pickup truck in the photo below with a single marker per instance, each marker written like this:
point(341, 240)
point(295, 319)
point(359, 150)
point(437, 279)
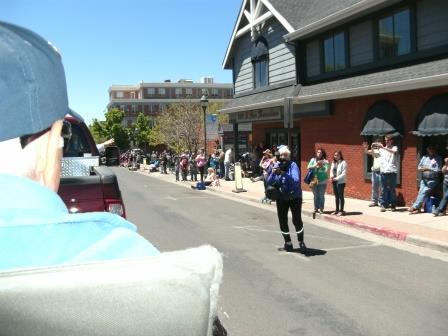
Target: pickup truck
point(85, 185)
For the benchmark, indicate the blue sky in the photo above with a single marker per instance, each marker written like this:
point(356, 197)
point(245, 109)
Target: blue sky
point(106, 42)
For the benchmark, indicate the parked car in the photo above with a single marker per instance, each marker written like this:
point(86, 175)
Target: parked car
point(85, 185)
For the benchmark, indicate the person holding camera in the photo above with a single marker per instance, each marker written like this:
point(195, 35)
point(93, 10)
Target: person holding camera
point(374, 151)
point(319, 165)
point(429, 167)
point(284, 176)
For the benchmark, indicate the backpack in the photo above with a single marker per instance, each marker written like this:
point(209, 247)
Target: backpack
point(200, 185)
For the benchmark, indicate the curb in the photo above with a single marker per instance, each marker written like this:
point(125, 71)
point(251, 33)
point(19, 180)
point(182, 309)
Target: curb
point(380, 231)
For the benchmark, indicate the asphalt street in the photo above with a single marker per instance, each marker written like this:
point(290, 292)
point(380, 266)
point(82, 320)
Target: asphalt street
point(349, 284)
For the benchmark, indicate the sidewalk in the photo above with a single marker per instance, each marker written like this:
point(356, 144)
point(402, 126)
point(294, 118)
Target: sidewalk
point(421, 229)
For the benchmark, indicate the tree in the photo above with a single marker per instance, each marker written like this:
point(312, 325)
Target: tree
point(111, 127)
point(141, 131)
point(179, 126)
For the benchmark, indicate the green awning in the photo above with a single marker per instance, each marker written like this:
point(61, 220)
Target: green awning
point(432, 120)
point(383, 118)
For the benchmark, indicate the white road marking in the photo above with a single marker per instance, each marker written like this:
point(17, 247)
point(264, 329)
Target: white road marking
point(349, 247)
point(171, 198)
point(226, 315)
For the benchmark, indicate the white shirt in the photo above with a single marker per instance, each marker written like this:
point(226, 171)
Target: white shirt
point(227, 155)
point(389, 160)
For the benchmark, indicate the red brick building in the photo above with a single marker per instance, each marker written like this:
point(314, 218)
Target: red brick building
point(336, 73)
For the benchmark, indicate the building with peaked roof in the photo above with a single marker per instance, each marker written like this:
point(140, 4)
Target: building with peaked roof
point(325, 73)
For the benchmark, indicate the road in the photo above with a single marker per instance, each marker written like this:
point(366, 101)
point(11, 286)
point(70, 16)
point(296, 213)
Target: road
point(350, 284)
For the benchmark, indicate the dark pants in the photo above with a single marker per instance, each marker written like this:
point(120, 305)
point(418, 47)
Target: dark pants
point(388, 196)
point(296, 210)
point(184, 174)
point(338, 190)
point(221, 169)
point(201, 171)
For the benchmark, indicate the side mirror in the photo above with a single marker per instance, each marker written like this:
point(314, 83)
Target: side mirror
point(112, 155)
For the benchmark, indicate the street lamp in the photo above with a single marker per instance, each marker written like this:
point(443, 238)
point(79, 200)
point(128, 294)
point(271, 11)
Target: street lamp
point(204, 104)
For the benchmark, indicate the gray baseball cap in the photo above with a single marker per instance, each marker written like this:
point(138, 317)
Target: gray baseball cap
point(33, 91)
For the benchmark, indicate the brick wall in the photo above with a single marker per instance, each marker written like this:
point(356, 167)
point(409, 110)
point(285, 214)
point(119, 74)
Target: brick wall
point(341, 131)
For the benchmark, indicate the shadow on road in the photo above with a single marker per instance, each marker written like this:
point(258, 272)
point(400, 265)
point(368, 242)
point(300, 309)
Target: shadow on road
point(310, 252)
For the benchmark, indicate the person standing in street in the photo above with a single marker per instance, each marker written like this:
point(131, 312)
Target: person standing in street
point(429, 167)
point(338, 173)
point(389, 170)
point(285, 177)
point(227, 161)
point(221, 159)
point(374, 151)
point(440, 210)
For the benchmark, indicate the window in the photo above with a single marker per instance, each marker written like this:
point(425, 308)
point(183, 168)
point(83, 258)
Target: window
point(119, 94)
point(334, 53)
point(215, 92)
point(260, 61)
point(189, 91)
point(204, 92)
point(132, 95)
point(178, 91)
point(162, 91)
point(151, 91)
point(394, 34)
point(140, 94)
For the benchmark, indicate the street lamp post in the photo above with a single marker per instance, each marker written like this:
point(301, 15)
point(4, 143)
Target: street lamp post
point(204, 104)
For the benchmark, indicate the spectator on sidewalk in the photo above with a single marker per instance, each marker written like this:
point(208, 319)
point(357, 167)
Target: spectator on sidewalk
point(338, 173)
point(228, 158)
point(285, 177)
point(184, 166)
point(265, 165)
point(200, 163)
point(388, 169)
point(319, 165)
point(222, 157)
point(374, 151)
point(192, 167)
point(429, 167)
point(440, 210)
point(177, 167)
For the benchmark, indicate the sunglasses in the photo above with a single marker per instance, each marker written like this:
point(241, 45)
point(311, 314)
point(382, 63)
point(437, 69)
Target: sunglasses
point(66, 134)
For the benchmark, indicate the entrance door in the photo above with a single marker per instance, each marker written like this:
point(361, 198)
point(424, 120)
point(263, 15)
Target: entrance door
point(277, 137)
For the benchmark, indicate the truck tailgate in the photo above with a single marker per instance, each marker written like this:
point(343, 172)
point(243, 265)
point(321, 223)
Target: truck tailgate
point(82, 194)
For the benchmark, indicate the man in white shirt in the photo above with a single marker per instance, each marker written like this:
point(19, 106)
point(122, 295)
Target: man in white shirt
point(227, 161)
point(388, 170)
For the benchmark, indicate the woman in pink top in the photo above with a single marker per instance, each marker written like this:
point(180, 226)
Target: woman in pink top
point(200, 163)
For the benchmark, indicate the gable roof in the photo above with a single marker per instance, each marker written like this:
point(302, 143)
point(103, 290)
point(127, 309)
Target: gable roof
point(303, 17)
point(252, 13)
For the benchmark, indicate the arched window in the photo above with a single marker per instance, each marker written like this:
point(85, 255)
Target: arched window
point(260, 61)
point(382, 118)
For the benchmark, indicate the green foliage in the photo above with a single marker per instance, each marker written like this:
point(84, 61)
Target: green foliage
point(141, 131)
point(110, 128)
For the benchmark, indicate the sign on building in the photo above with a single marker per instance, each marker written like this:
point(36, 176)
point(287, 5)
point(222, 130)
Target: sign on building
point(211, 126)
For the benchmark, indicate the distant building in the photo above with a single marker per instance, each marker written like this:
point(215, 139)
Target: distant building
point(153, 98)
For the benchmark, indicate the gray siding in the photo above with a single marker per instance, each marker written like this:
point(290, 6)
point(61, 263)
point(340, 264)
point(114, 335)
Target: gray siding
point(361, 44)
point(312, 59)
point(243, 65)
point(432, 24)
point(282, 63)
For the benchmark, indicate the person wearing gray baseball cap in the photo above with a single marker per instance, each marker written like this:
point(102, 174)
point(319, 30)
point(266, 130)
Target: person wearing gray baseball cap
point(72, 274)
